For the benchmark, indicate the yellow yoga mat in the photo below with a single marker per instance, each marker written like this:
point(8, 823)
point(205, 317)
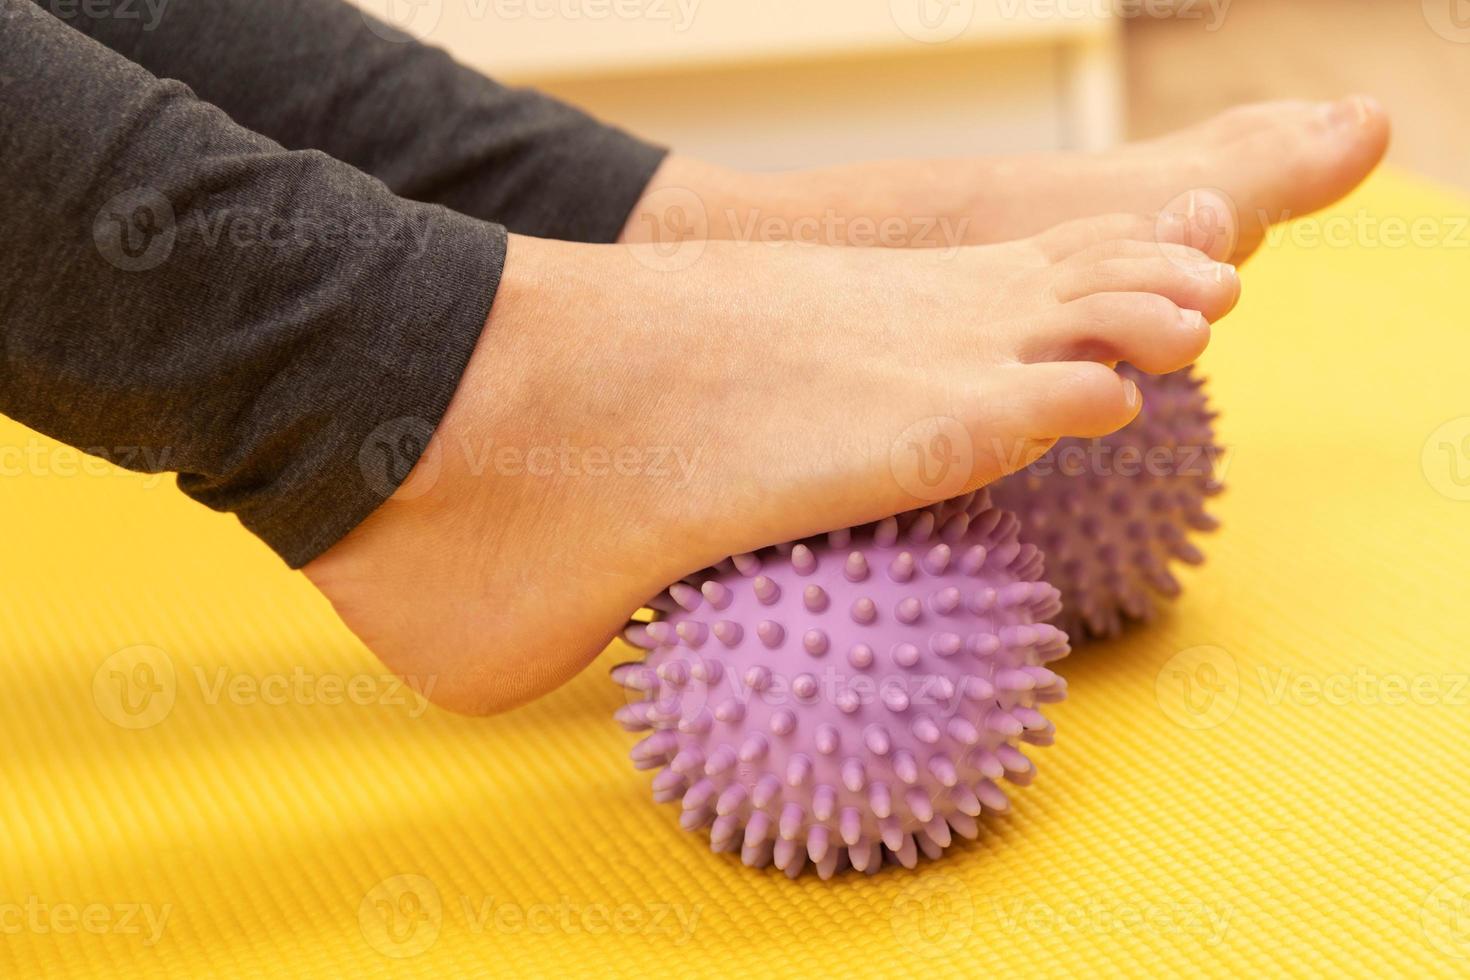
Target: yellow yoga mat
point(206, 775)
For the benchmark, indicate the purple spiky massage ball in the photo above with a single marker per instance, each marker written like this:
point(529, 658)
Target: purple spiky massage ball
point(853, 697)
point(1111, 513)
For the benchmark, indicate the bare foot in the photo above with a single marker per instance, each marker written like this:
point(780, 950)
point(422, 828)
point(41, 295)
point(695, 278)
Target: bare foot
point(620, 426)
point(1273, 161)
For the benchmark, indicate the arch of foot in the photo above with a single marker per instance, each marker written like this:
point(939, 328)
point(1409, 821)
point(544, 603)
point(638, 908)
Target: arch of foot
point(853, 698)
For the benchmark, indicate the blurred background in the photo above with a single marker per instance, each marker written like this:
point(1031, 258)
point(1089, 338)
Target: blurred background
point(783, 83)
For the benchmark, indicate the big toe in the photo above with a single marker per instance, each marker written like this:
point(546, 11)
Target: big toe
point(1297, 158)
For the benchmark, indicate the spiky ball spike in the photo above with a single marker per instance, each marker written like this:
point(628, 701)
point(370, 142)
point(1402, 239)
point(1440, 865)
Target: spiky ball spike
point(1110, 514)
point(859, 717)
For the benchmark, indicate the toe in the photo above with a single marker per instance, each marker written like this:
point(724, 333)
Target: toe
point(1074, 398)
point(1202, 219)
point(1350, 138)
point(1016, 412)
point(1145, 329)
point(1184, 276)
point(1323, 145)
point(1205, 219)
point(1303, 161)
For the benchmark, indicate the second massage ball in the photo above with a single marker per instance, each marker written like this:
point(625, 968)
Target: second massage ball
point(1110, 514)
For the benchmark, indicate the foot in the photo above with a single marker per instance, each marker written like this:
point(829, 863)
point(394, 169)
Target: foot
point(620, 426)
point(1272, 161)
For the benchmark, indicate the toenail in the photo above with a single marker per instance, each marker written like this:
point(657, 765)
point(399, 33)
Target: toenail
point(1366, 107)
point(1192, 319)
point(1352, 111)
point(1130, 393)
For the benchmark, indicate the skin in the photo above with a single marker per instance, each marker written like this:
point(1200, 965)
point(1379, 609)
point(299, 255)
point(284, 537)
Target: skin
point(500, 580)
point(1271, 161)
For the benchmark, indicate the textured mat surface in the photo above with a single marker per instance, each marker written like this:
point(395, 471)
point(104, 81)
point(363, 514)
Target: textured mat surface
point(206, 775)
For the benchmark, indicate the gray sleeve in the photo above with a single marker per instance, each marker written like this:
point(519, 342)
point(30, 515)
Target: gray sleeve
point(324, 75)
point(178, 293)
